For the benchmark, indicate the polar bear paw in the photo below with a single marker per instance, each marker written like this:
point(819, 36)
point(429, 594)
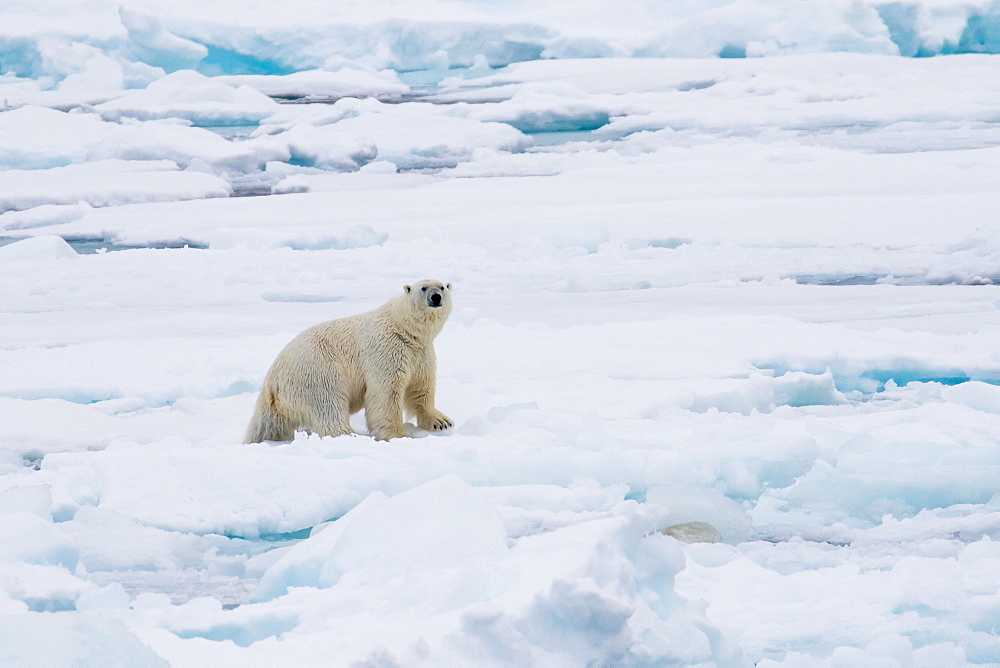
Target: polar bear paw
point(437, 422)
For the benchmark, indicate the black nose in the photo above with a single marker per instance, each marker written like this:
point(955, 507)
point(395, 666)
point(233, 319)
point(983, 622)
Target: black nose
point(436, 299)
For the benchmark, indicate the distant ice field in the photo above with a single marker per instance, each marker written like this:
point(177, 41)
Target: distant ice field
point(691, 284)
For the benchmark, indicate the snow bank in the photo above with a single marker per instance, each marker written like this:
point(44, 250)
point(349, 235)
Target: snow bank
point(152, 44)
point(107, 183)
point(192, 147)
point(689, 503)
point(324, 85)
point(259, 505)
point(40, 138)
point(37, 248)
point(430, 139)
point(41, 588)
point(32, 539)
point(436, 529)
point(326, 147)
point(108, 47)
point(408, 135)
point(193, 97)
point(557, 598)
point(974, 394)
point(68, 138)
point(545, 108)
point(928, 29)
point(70, 638)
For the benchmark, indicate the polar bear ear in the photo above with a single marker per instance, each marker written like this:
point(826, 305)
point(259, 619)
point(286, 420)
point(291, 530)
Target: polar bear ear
point(406, 288)
point(448, 286)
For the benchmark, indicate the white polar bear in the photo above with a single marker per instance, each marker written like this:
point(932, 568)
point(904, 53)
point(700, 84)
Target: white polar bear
point(382, 361)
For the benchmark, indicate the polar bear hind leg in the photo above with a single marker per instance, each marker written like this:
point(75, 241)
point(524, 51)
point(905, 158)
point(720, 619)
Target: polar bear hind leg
point(324, 418)
point(331, 417)
point(267, 424)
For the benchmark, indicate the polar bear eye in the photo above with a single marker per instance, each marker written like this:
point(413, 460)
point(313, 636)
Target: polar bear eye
point(423, 289)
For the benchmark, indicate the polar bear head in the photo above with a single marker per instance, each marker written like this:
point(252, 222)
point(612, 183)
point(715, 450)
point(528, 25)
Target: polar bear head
point(430, 294)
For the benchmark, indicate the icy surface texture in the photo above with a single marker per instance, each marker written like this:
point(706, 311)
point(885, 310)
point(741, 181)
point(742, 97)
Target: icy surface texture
point(723, 363)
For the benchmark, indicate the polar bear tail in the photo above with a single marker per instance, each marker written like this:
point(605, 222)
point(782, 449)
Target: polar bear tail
point(267, 424)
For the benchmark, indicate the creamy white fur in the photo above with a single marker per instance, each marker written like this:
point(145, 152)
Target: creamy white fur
point(382, 361)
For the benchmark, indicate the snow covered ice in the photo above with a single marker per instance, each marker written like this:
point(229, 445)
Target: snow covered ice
point(728, 267)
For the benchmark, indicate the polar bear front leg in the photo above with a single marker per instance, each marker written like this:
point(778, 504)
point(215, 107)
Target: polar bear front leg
point(420, 402)
point(384, 412)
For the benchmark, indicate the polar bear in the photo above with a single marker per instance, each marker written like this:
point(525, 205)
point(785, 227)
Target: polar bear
point(382, 361)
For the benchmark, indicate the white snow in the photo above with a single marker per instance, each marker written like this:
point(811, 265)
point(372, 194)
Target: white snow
point(39, 138)
point(191, 96)
point(747, 301)
point(44, 246)
point(324, 85)
point(107, 182)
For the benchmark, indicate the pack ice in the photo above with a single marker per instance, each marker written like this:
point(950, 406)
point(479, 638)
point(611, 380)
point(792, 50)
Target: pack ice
point(723, 361)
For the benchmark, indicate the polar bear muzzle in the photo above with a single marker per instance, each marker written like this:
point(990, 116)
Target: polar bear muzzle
point(434, 297)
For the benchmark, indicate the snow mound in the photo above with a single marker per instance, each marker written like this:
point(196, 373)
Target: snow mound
point(324, 85)
point(444, 530)
point(186, 146)
point(686, 503)
point(41, 587)
point(39, 138)
point(32, 539)
point(974, 394)
point(766, 393)
point(68, 138)
point(194, 97)
point(72, 639)
point(411, 136)
point(109, 48)
point(46, 246)
point(928, 29)
point(538, 107)
point(753, 29)
point(151, 43)
point(326, 147)
point(260, 504)
point(107, 183)
point(558, 598)
point(42, 215)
